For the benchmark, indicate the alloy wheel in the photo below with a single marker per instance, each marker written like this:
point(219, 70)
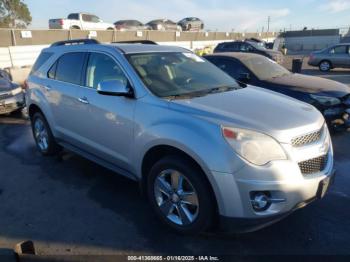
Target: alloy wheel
point(41, 135)
point(176, 197)
point(325, 66)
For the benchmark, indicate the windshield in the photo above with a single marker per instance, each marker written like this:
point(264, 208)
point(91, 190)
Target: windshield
point(264, 68)
point(180, 74)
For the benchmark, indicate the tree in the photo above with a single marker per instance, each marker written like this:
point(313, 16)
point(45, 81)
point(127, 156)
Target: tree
point(14, 14)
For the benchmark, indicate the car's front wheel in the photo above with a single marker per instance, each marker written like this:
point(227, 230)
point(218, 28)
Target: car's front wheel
point(180, 195)
point(325, 66)
point(44, 139)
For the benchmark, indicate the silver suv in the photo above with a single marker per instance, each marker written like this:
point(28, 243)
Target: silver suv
point(202, 148)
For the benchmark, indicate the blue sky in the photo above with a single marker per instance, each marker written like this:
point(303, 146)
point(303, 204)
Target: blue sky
point(222, 15)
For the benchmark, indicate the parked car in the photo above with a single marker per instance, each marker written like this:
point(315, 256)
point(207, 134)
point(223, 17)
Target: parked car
point(81, 21)
point(163, 25)
point(331, 98)
point(249, 47)
point(11, 95)
point(181, 127)
point(331, 57)
point(191, 24)
point(130, 25)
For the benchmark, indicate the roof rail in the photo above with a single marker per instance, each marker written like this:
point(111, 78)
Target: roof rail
point(76, 42)
point(144, 42)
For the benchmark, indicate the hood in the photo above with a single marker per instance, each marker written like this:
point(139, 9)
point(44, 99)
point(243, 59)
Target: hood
point(312, 84)
point(5, 85)
point(254, 108)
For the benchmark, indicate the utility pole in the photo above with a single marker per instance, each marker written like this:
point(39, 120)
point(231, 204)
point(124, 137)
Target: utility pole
point(268, 23)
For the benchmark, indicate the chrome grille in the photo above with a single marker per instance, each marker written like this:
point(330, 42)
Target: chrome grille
point(307, 139)
point(5, 96)
point(313, 165)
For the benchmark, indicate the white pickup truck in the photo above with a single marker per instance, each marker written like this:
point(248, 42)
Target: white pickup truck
point(81, 21)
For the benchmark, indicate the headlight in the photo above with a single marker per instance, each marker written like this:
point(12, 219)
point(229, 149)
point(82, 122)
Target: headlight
point(255, 147)
point(326, 100)
point(16, 91)
point(159, 27)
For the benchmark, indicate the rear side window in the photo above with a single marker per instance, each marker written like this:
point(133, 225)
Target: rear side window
point(43, 57)
point(73, 16)
point(69, 68)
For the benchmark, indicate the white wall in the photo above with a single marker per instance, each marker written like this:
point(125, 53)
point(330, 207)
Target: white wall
point(310, 43)
point(19, 56)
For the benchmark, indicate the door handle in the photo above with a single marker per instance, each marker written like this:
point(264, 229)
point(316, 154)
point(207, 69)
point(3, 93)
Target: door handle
point(83, 100)
point(47, 88)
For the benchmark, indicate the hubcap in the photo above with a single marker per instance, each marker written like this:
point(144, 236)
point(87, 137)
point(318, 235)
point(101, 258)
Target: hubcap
point(41, 135)
point(325, 66)
point(176, 197)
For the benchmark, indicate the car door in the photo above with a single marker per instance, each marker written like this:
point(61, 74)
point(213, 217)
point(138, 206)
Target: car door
point(97, 24)
point(62, 91)
point(106, 122)
point(87, 22)
point(339, 56)
point(347, 61)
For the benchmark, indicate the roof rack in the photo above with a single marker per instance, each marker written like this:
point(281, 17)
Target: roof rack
point(76, 42)
point(144, 42)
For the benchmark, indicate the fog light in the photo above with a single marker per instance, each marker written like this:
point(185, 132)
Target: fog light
point(260, 201)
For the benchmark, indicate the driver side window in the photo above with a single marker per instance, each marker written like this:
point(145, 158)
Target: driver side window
point(101, 68)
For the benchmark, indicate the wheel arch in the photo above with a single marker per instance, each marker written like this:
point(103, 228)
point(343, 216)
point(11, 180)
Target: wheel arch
point(156, 152)
point(32, 109)
point(326, 60)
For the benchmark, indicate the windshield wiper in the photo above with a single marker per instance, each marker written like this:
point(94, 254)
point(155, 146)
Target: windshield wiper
point(202, 92)
point(221, 89)
point(188, 95)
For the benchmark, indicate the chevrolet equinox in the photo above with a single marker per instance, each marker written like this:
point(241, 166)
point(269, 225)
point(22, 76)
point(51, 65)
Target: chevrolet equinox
point(203, 149)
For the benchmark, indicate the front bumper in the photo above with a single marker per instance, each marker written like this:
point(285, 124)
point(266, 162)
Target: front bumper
point(287, 184)
point(296, 196)
point(11, 104)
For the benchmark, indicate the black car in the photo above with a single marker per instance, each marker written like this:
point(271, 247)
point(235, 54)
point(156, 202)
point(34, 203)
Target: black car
point(11, 95)
point(330, 97)
point(249, 47)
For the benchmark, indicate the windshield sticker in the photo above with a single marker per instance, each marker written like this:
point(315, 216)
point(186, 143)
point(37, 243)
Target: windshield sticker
point(193, 57)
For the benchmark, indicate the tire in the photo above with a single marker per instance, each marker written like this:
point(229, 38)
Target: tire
point(325, 66)
point(43, 137)
point(181, 210)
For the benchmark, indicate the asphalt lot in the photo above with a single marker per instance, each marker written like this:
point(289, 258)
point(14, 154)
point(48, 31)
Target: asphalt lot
point(68, 205)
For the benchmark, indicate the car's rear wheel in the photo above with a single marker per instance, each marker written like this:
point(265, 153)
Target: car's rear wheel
point(325, 66)
point(44, 139)
point(180, 195)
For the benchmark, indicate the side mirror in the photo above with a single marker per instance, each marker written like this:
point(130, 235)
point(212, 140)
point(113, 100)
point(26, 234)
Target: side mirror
point(244, 77)
point(114, 88)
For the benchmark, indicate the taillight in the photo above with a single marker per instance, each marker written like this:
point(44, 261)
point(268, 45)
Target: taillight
point(61, 21)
